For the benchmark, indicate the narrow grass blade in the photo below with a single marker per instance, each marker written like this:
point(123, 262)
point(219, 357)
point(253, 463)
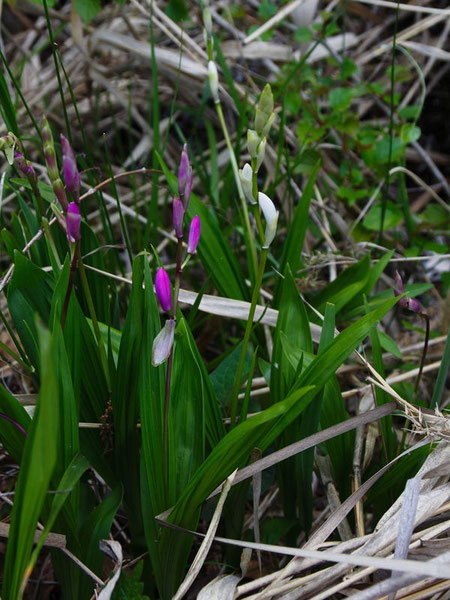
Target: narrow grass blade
point(35, 473)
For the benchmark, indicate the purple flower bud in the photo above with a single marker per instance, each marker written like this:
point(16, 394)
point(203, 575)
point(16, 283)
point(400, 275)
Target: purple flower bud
point(414, 305)
point(163, 289)
point(163, 343)
point(183, 171)
point(409, 303)
point(24, 166)
point(178, 216)
point(73, 221)
point(70, 171)
point(194, 235)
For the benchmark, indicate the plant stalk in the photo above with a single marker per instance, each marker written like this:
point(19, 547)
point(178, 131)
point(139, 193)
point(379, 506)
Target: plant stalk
point(73, 271)
point(179, 270)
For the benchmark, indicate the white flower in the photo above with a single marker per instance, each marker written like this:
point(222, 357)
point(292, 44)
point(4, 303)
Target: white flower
point(271, 216)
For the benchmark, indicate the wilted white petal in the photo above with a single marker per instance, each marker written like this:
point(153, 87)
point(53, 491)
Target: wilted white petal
point(163, 342)
point(246, 177)
point(271, 216)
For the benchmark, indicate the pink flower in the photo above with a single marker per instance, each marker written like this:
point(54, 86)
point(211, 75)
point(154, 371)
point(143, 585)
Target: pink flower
point(163, 289)
point(194, 235)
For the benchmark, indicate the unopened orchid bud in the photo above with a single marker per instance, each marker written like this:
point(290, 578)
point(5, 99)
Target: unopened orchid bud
point(73, 222)
point(24, 166)
point(194, 235)
point(207, 21)
point(399, 289)
point(261, 153)
point(271, 216)
point(253, 141)
point(71, 175)
point(8, 144)
point(178, 216)
point(52, 167)
point(163, 289)
point(183, 170)
point(265, 130)
point(213, 80)
point(163, 343)
point(264, 109)
point(246, 177)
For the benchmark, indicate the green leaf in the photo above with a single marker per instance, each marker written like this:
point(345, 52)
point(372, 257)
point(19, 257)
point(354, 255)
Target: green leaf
point(409, 133)
point(345, 287)
point(303, 34)
point(389, 344)
point(393, 217)
point(293, 245)
point(35, 473)
point(341, 98)
point(87, 9)
point(11, 437)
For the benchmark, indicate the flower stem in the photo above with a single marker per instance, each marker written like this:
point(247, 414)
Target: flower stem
point(239, 187)
point(178, 272)
point(73, 271)
point(248, 329)
point(424, 353)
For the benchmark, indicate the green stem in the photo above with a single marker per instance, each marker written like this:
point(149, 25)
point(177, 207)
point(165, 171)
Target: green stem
point(73, 271)
point(178, 272)
point(239, 187)
point(248, 329)
point(255, 207)
point(91, 308)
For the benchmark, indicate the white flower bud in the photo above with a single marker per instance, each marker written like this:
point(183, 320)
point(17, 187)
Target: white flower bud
point(207, 21)
point(213, 80)
point(246, 177)
point(271, 216)
point(260, 154)
point(253, 141)
point(268, 125)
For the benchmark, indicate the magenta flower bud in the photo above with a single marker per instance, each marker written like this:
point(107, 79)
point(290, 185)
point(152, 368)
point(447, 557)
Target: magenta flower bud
point(163, 343)
point(194, 235)
point(70, 171)
point(178, 216)
point(163, 289)
point(183, 171)
point(409, 303)
point(24, 166)
point(73, 222)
